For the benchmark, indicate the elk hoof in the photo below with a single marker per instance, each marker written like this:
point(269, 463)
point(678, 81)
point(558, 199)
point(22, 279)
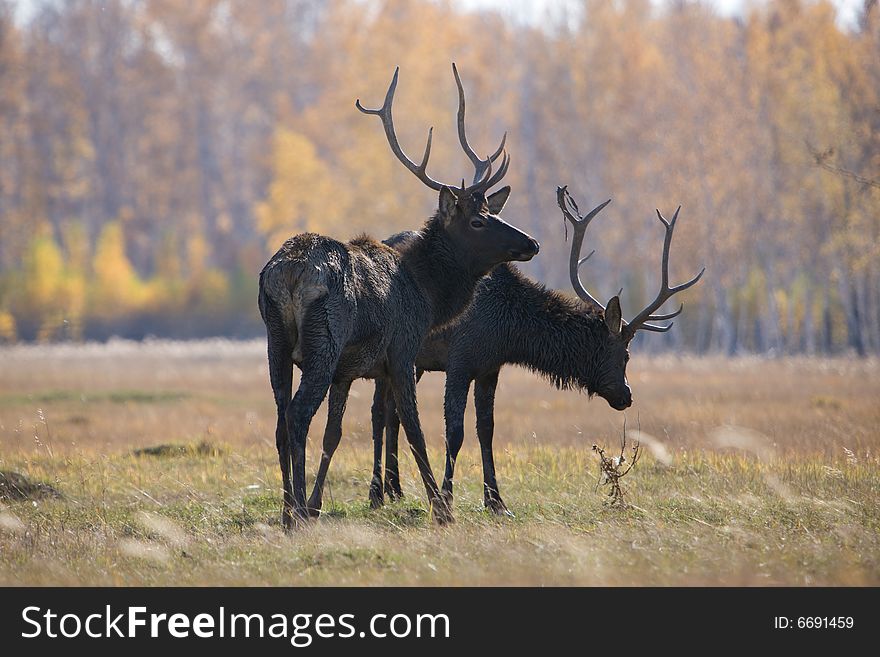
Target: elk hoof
point(313, 508)
point(497, 506)
point(287, 519)
point(377, 499)
point(442, 512)
point(393, 491)
point(446, 494)
point(293, 519)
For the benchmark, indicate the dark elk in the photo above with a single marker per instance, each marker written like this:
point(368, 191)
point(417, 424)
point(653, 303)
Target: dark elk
point(342, 311)
point(514, 320)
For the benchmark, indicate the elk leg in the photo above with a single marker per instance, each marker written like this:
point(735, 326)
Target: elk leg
point(392, 465)
point(281, 378)
point(455, 402)
point(404, 386)
point(392, 429)
point(377, 499)
point(332, 436)
point(484, 403)
point(302, 408)
point(321, 350)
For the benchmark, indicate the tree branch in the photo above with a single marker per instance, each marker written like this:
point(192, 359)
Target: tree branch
point(822, 160)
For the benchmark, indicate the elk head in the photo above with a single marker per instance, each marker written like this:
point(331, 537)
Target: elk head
point(467, 214)
point(609, 380)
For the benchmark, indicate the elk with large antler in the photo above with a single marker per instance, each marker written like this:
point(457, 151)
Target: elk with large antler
point(342, 311)
point(570, 210)
point(513, 320)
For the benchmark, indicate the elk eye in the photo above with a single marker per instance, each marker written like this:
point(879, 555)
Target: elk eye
point(476, 223)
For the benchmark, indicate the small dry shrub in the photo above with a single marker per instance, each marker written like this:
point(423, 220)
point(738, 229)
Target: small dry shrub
point(614, 468)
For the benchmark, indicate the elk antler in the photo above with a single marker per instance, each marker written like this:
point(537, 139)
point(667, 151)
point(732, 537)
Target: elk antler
point(483, 178)
point(641, 320)
point(384, 113)
point(579, 224)
point(482, 168)
point(570, 211)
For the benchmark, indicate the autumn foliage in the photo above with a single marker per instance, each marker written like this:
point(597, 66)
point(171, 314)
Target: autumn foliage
point(153, 153)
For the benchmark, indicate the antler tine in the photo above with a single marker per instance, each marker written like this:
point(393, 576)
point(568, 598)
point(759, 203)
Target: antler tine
point(384, 113)
point(647, 315)
point(662, 318)
point(653, 327)
point(480, 166)
point(491, 180)
point(579, 225)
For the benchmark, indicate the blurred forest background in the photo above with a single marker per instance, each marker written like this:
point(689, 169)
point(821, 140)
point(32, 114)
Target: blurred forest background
point(153, 153)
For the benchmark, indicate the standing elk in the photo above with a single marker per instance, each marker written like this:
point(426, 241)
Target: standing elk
point(514, 320)
point(362, 309)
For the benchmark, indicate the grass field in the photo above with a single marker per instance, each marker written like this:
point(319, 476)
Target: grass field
point(759, 472)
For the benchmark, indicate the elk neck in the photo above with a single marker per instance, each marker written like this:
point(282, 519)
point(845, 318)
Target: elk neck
point(446, 276)
point(550, 333)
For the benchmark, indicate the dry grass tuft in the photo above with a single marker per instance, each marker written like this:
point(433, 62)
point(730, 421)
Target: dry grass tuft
point(203, 448)
point(11, 524)
point(145, 550)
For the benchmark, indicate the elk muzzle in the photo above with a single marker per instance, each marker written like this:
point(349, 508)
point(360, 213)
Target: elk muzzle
point(524, 255)
point(622, 401)
point(619, 397)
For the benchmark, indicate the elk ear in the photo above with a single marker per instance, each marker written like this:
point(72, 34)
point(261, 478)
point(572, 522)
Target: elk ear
point(448, 199)
point(498, 200)
point(613, 316)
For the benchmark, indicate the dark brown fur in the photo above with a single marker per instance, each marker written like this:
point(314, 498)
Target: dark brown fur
point(512, 320)
point(581, 344)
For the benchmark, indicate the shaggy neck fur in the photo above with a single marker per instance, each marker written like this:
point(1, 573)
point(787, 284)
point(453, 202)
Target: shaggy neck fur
point(445, 275)
point(558, 337)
